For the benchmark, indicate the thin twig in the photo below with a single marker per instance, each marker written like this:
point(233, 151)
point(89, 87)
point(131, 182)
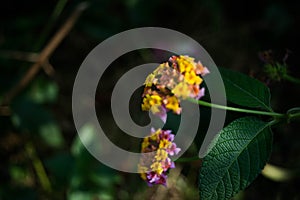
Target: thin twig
point(20, 55)
point(45, 54)
point(48, 68)
point(60, 5)
point(28, 57)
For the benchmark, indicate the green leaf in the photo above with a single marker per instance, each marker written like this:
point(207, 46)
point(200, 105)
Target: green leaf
point(87, 133)
point(245, 91)
point(18, 174)
point(52, 135)
point(239, 154)
point(43, 91)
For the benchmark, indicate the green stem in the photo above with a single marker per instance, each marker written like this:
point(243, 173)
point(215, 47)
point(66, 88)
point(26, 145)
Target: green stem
point(188, 159)
point(38, 167)
point(291, 79)
point(207, 104)
point(277, 116)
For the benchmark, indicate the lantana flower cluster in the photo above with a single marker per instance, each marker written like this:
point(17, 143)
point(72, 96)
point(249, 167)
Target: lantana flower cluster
point(172, 81)
point(154, 165)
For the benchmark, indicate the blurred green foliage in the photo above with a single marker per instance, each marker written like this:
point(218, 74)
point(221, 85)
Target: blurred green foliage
point(40, 115)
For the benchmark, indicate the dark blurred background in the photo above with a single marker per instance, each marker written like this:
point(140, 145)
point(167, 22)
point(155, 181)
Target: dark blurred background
point(41, 155)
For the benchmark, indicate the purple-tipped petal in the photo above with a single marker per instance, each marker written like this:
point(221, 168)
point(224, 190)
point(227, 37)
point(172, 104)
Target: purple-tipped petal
point(173, 150)
point(205, 71)
point(172, 165)
point(152, 130)
point(177, 150)
point(166, 134)
point(162, 180)
point(152, 177)
point(201, 93)
point(162, 114)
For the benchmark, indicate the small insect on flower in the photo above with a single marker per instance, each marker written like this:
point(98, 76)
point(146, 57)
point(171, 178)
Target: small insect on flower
point(171, 82)
point(155, 163)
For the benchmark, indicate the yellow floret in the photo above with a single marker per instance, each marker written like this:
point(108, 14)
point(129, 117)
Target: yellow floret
point(173, 104)
point(164, 144)
point(155, 136)
point(155, 109)
point(161, 68)
point(192, 78)
point(149, 80)
point(161, 154)
point(186, 64)
point(142, 170)
point(156, 166)
point(150, 101)
point(145, 143)
point(181, 90)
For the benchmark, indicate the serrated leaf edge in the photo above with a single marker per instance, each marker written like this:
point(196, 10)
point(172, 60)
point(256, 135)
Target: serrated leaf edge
point(234, 160)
